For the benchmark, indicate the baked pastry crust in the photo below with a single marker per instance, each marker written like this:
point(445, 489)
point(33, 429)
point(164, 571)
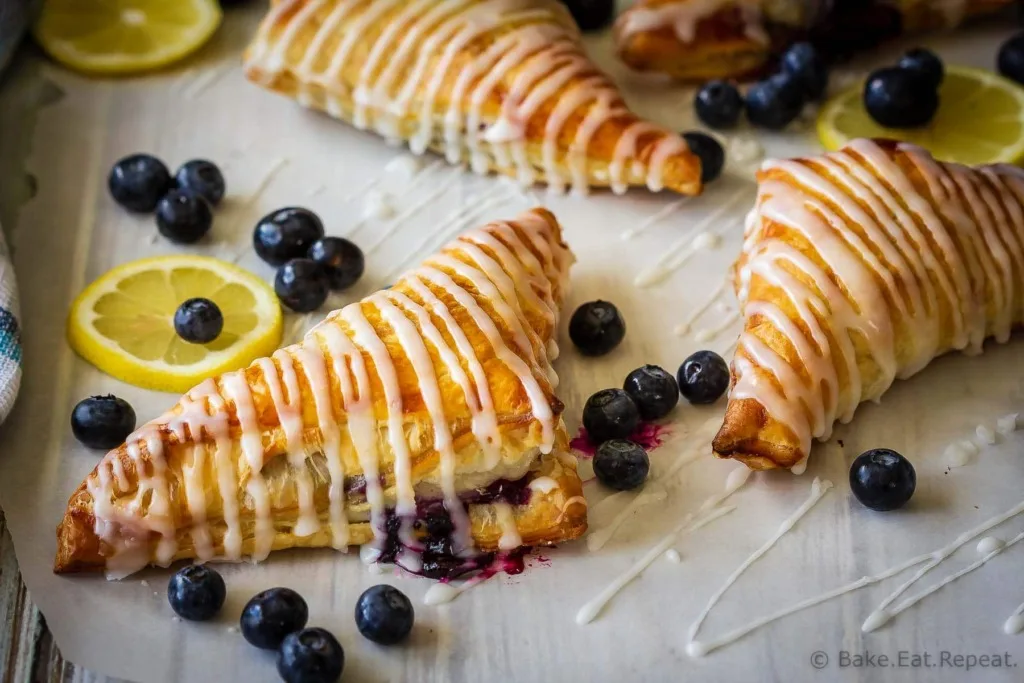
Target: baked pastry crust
point(858, 268)
point(427, 393)
point(698, 40)
point(503, 85)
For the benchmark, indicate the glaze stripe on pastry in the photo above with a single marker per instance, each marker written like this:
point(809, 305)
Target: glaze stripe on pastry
point(420, 397)
point(501, 84)
point(859, 267)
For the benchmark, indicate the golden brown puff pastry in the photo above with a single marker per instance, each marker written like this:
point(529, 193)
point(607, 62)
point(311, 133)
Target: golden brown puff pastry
point(699, 40)
point(432, 397)
point(501, 84)
point(859, 267)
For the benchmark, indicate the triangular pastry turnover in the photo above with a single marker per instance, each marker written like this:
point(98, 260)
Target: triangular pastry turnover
point(859, 267)
point(503, 85)
point(421, 421)
point(698, 40)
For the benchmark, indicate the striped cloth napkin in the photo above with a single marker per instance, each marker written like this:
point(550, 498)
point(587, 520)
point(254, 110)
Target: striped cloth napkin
point(14, 15)
point(10, 338)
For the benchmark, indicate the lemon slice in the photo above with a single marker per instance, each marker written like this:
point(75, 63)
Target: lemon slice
point(124, 36)
point(980, 120)
point(123, 322)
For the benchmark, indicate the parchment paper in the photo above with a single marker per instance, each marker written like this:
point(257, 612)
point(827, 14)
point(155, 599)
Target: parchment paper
point(519, 629)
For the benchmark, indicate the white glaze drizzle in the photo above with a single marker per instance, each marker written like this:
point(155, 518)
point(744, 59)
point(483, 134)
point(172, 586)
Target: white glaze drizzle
point(1015, 622)
point(862, 186)
point(654, 219)
point(818, 490)
point(589, 611)
point(960, 452)
point(708, 511)
point(654, 490)
point(510, 538)
point(706, 234)
point(289, 413)
point(707, 334)
point(506, 274)
point(684, 17)
point(883, 614)
point(672, 555)
point(683, 328)
point(532, 53)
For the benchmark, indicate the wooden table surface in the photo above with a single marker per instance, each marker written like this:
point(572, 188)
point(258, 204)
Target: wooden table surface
point(27, 650)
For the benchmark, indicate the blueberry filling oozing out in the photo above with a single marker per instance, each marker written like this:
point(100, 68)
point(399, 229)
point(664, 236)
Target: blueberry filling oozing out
point(434, 529)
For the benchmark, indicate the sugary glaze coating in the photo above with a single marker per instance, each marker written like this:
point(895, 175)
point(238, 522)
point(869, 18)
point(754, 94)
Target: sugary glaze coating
point(429, 392)
point(859, 267)
point(704, 39)
point(501, 84)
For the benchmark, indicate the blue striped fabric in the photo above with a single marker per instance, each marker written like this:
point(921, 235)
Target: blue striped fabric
point(10, 334)
point(14, 15)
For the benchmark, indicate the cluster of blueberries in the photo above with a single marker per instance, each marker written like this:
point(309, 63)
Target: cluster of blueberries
point(309, 264)
point(290, 239)
point(881, 479)
point(773, 103)
point(611, 416)
point(275, 619)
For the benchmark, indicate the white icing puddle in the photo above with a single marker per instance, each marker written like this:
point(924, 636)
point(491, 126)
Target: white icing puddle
point(989, 544)
point(960, 453)
point(1007, 424)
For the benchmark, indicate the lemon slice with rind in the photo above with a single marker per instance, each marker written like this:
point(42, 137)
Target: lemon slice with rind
point(124, 36)
point(980, 120)
point(123, 322)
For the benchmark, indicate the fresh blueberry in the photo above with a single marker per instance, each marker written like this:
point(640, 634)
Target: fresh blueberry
point(342, 261)
point(776, 102)
point(900, 98)
point(137, 182)
point(198, 321)
point(312, 655)
point(286, 234)
point(300, 285)
point(102, 422)
point(882, 479)
point(703, 377)
point(203, 178)
point(806, 66)
point(621, 464)
point(719, 105)
point(591, 15)
point(926, 63)
point(596, 328)
point(196, 593)
point(183, 217)
point(610, 414)
point(1011, 58)
point(710, 153)
point(384, 615)
point(654, 391)
point(272, 615)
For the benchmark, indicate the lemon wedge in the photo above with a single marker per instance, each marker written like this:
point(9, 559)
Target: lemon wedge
point(123, 322)
point(124, 36)
point(980, 120)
